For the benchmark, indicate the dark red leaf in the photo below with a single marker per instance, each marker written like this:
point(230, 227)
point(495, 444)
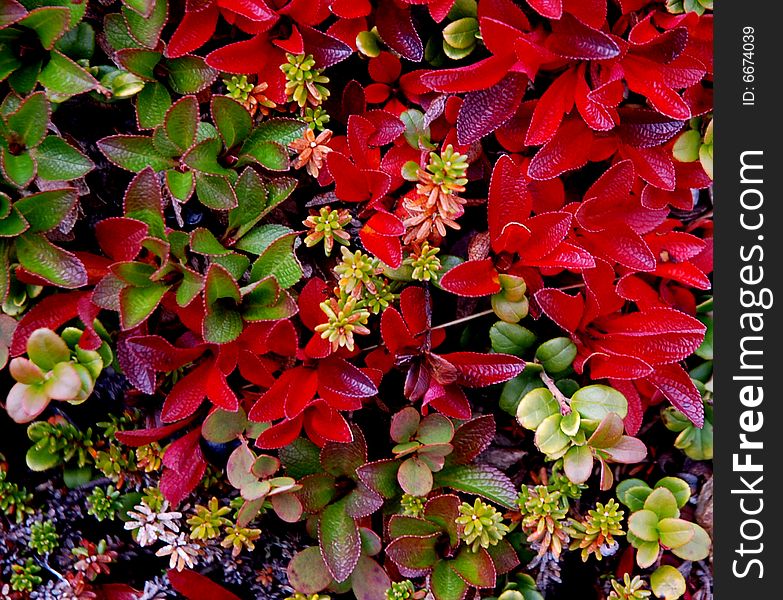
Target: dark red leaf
point(197, 587)
point(472, 278)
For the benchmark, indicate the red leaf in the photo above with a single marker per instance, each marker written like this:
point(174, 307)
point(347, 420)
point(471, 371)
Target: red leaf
point(633, 420)
point(155, 352)
point(509, 203)
point(557, 100)
point(480, 370)
point(574, 40)
point(566, 311)
point(551, 9)
point(121, 238)
point(52, 312)
point(477, 76)
point(141, 437)
point(569, 149)
point(326, 49)
point(472, 438)
point(197, 587)
point(338, 377)
point(472, 278)
point(674, 383)
point(186, 395)
point(194, 31)
point(387, 248)
point(395, 28)
point(484, 111)
point(185, 466)
point(281, 434)
point(247, 56)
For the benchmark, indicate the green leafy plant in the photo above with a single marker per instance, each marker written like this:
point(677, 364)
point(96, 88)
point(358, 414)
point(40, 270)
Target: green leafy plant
point(54, 370)
point(655, 523)
point(43, 537)
point(104, 504)
point(580, 429)
point(35, 49)
point(423, 444)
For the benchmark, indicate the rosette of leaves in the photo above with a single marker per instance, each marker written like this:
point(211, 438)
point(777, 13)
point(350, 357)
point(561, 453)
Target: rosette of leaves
point(134, 36)
point(33, 49)
point(254, 477)
point(697, 443)
point(460, 472)
point(28, 151)
point(696, 144)
point(308, 574)
point(52, 370)
point(586, 427)
point(422, 444)
point(655, 522)
point(522, 588)
point(134, 288)
point(336, 498)
point(200, 157)
point(59, 442)
point(510, 303)
point(431, 546)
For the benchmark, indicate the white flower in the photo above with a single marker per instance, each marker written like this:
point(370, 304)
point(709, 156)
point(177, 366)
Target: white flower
point(151, 526)
point(180, 551)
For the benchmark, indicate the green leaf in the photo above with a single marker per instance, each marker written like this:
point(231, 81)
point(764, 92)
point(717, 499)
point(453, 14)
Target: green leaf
point(300, 458)
point(63, 78)
point(46, 210)
point(706, 351)
point(267, 302)
point(511, 338)
point(578, 464)
point(474, 567)
point(549, 437)
point(30, 120)
point(151, 105)
point(47, 349)
point(189, 288)
point(678, 487)
point(414, 552)
point(278, 260)
point(180, 185)
point(481, 480)
point(251, 203)
point(462, 33)
point(78, 42)
point(415, 477)
point(25, 77)
point(662, 503)
point(116, 31)
point(203, 241)
point(59, 161)
point(189, 74)
point(270, 155)
point(644, 525)
point(38, 255)
point(140, 62)
point(698, 548)
point(137, 303)
point(537, 405)
point(134, 153)
point(49, 23)
point(596, 401)
point(41, 459)
point(557, 354)
point(307, 571)
point(339, 539)
point(280, 130)
point(204, 157)
point(181, 121)
point(686, 148)
point(667, 583)
point(220, 285)
point(232, 120)
point(10, 226)
point(446, 584)
point(146, 29)
point(214, 191)
point(647, 553)
point(18, 169)
point(675, 532)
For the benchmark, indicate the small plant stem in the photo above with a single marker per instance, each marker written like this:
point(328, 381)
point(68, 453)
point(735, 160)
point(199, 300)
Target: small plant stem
point(565, 407)
point(483, 313)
